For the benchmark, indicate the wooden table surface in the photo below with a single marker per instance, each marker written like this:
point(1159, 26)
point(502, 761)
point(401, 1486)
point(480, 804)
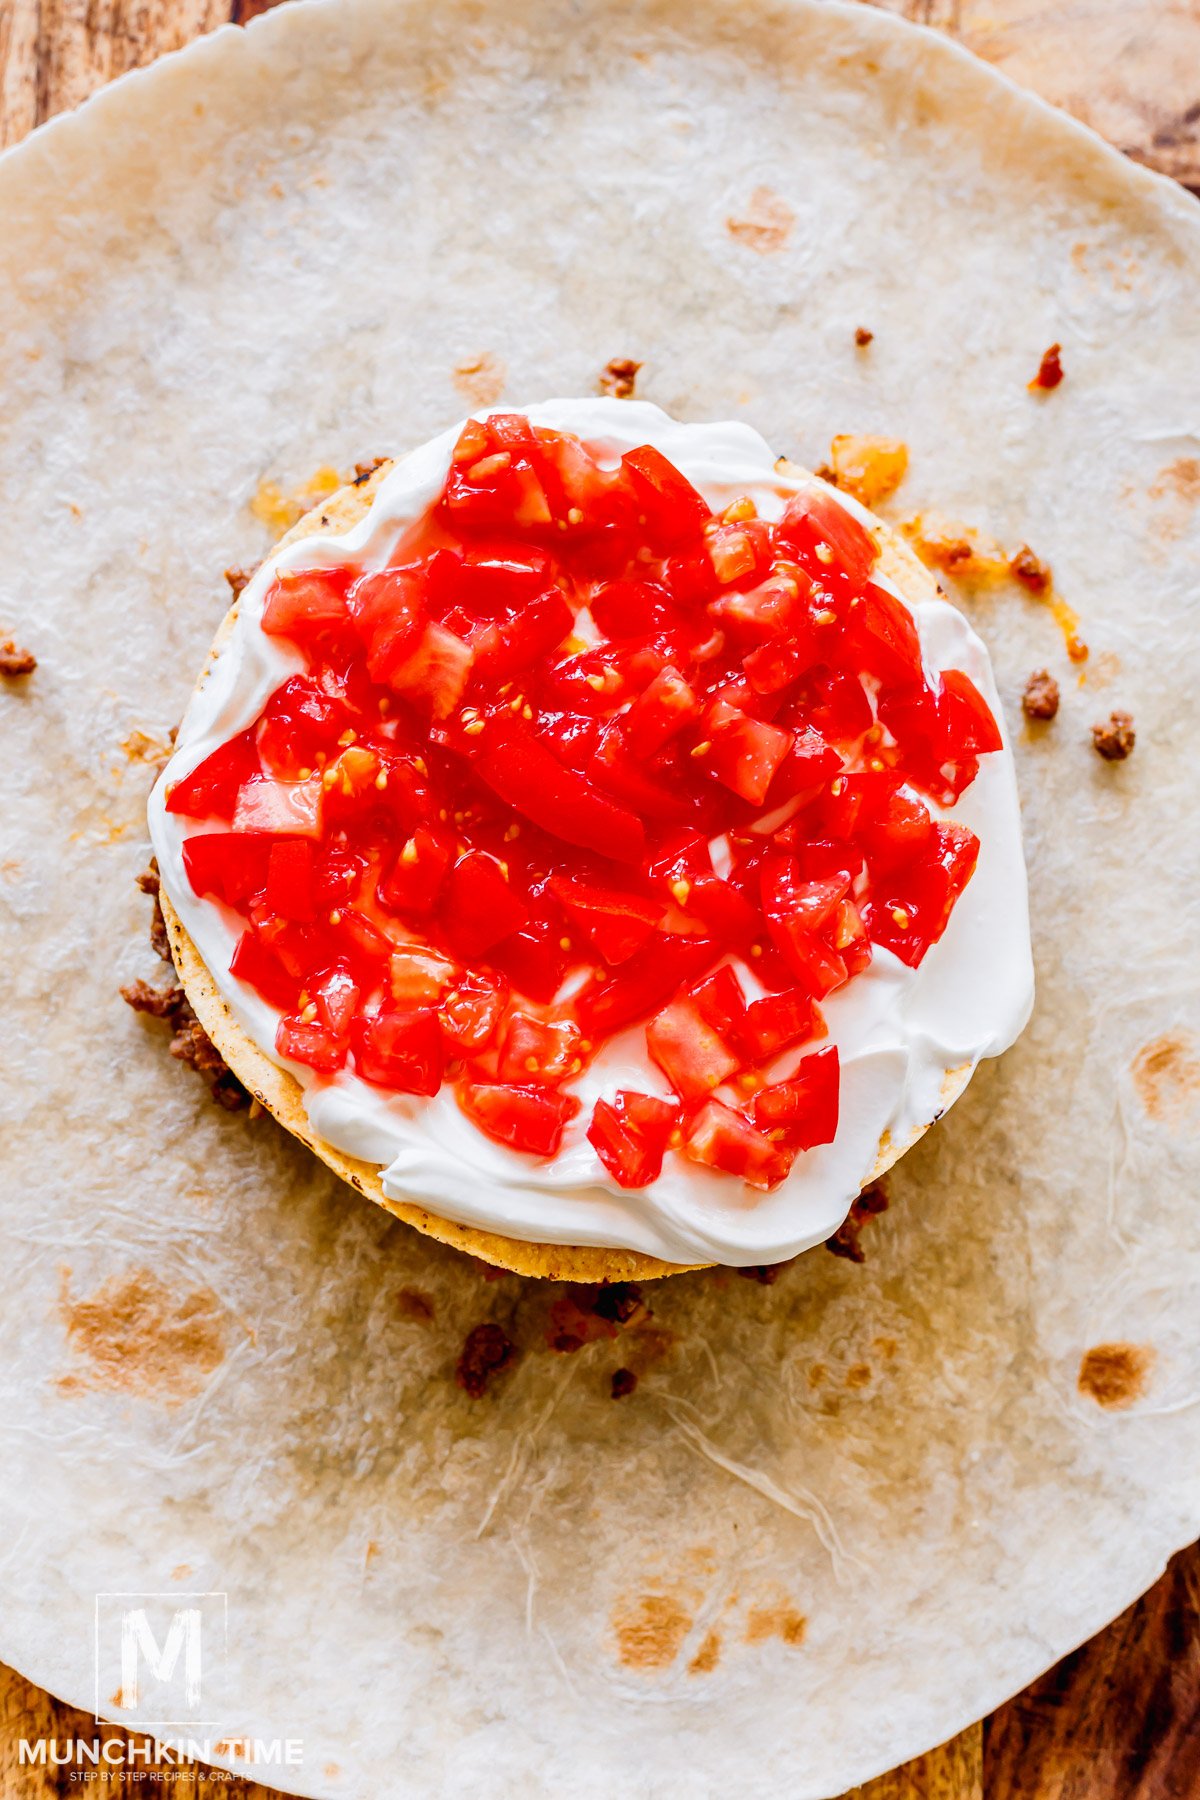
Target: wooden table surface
point(1120, 1718)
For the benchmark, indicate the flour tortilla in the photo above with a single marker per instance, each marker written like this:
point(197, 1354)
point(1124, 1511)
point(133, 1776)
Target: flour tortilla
point(293, 246)
point(282, 1094)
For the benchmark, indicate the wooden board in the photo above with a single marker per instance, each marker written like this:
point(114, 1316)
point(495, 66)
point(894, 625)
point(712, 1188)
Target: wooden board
point(1119, 1719)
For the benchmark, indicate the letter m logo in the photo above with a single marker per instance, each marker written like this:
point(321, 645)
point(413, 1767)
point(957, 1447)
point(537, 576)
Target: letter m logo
point(159, 1659)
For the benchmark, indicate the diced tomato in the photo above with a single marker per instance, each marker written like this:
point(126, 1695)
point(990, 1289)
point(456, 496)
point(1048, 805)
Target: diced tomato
point(388, 612)
point(415, 879)
point(211, 790)
point(882, 634)
point(789, 899)
point(835, 704)
point(674, 512)
point(400, 1050)
point(494, 481)
point(434, 674)
point(492, 581)
point(290, 879)
point(968, 727)
point(662, 709)
point(519, 768)
point(777, 611)
point(721, 911)
point(539, 1049)
point(418, 976)
point(254, 964)
point(472, 1010)
point(847, 935)
point(809, 958)
point(615, 922)
point(307, 605)
point(307, 1041)
point(693, 1057)
point(524, 1117)
point(509, 645)
point(914, 911)
point(815, 519)
point(301, 719)
point(231, 865)
point(630, 1135)
point(895, 831)
point(722, 1005)
point(644, 983)
point(294, 808)
point(721, 1138)
point(631, 609)
point(808, 765)
point(778, 1021)
point(481, 906)
point(743, 753)
point(335, 994)
point(805, 1106)
point(623, 775)
point(740, 554)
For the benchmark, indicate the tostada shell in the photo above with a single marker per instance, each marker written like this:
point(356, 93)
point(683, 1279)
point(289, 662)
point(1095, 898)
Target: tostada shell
point(279, 1091)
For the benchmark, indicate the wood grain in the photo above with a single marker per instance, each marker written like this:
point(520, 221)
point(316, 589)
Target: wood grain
point(1120, 1718)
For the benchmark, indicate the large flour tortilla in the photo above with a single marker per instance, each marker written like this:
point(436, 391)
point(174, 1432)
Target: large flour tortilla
point(282, 1095)
point(223, 1371)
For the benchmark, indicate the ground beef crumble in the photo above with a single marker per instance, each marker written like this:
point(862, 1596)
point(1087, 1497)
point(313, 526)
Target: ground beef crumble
point(585, 1313)
point(845, 1240)
point(1030, 570)
point(486, 1351)
point(190, 1043)
point(1050, 369)
point(239, 577)
point(766, 1274)
point(1040, 699)
point(14, 660)
point(619, 377)
point(1115, 738)
point(863, 337)
point(623, 1382)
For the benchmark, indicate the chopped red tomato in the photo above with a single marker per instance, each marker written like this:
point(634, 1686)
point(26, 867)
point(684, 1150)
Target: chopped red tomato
point(481, 905)
point(518, 767)
point(662, 709)
point(211, 790)
point(615, 922)
point(306, 604)
point(914, 908)
point(673, 510)
point(231, 865)
point(723, 1139)
point(415, 879)
point(540, 1049)
point(805, 1106)
point(289, 892)
point(400, 1050)
point(691, 1054)
point(472, 1010)
point(778, 1021)
point(306, 1041)
point(524, 1117)
point(742, 752)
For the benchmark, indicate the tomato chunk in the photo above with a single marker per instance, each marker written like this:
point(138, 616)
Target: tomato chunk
point(540, 1049)
point(804, 1107)
point(691, 1054)
point(400, 1050)
point(481, 906)
point(744, 753)
point(522, 771)
point(721, 1138)
point(211, 790)
point(524, 1117)
point(662, 709)
point(615, 922)
point(630, 1135)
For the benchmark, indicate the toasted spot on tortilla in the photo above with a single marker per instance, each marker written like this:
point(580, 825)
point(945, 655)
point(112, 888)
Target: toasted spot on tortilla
point(781, 1621)
point(707, 1656)
point(136, 1335)
point(181, 1571)
point(1166, 1074)
point(480, 379)
point(415, 1304)
point(858, 1375)
point(1180, 480)
point(1115, 1375)
point(650, 1631)
point(766, 224)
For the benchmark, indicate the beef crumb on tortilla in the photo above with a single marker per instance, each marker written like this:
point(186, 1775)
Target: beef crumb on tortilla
point(623, 1382)
point(190, 1043)
point(1050, 369)
point(486, 1351)
point(1030, 570)
point(1040, 699)
point(14, 660)
point(766, 1274)
point(1115, 737)
point(846, 1239)
point(240, 577)
point(863, 337)
point(619, 377)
